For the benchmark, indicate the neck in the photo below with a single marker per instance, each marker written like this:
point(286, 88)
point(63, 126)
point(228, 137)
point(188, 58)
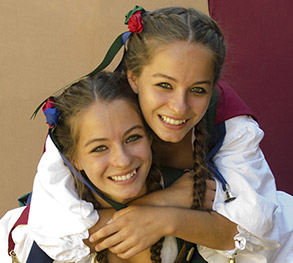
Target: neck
point(174, 155)
point(117, 203)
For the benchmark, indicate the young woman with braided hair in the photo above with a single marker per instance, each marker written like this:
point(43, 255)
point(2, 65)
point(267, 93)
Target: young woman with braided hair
point(102, 137)
point(173, 62)
point(109, 94)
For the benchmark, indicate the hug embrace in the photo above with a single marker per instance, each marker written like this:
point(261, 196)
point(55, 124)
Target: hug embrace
point(156, 162)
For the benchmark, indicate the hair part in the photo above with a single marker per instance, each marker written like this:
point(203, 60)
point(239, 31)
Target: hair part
point(76, 99)
point(168, 25)
point(80, 96)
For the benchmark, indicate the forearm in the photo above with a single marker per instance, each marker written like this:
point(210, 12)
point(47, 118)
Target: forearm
point(157, 198)
point(208, 229)
point(179, 194)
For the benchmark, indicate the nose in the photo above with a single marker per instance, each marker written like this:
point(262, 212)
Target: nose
point(121, 157)
point(179, 103)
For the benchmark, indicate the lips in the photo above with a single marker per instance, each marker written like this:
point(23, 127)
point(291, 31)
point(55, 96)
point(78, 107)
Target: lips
point(171, 121)
point(123, 177)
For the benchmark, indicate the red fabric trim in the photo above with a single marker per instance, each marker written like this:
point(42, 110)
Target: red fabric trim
point(211, 7)
point(22, 220)
point(44, 147)
point(229, 104)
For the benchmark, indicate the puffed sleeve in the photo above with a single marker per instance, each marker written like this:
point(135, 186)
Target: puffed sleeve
point(59, 220)
point(256, 210)
point(19, 236)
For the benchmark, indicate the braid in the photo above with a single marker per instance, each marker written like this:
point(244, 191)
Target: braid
point(168, 25)
point(87, 195)
point(200, 167)
point(156, 251)
point(101, 257)
point(153, 184)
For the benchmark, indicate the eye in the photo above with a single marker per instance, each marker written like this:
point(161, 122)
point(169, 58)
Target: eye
point(133, 138)
point(164, 85)
point(100, 148)
point(198, 90)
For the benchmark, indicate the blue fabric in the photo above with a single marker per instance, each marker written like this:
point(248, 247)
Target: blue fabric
point(52, 115)
point(37, 255)
point(216, 143)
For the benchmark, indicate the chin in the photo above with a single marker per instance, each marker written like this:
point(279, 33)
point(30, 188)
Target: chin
point(128, 198)
point(172, 139)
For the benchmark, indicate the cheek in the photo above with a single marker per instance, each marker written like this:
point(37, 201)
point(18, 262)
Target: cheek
point(152, 100)
point(94, 169)
point(200, 106)
point(144, 152)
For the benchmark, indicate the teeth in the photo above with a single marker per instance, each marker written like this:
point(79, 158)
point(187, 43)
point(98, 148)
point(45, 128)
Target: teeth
point(172, 121)
point(123, 177)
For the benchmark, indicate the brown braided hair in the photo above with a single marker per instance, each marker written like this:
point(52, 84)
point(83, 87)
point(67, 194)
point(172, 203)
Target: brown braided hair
point(153, 184)
point(168, 25)
point(200, 167)
point(102, 86)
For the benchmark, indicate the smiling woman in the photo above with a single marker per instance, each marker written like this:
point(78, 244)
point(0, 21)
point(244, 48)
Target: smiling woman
point(175, 88)
point(173, 64)
point(98, 129)
point(113, 149)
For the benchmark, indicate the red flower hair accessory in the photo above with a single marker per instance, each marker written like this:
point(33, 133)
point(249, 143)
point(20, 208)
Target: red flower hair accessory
point(134, 19)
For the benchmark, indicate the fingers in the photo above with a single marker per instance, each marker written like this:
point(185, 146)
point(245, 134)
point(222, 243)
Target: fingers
point(122, 244)
point(211, 185)
point(110, 242)
point(129, 253)
point(103, 232)
point(189, 174)
point(210, 194)
point(209, 199)
point(127, 249)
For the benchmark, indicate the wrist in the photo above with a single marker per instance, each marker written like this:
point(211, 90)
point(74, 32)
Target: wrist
point(157, 198)
point(170, 219)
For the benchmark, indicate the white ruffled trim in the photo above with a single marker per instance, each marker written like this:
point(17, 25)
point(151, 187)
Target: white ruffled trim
point(262, 224)
point(248, 248)
point(59, 219)
point(244, 167)
point(91, 258)
point(19, 235)
point(169, 250)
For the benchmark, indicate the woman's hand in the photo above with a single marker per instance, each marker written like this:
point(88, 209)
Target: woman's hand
point(179, 194)
point(105, 214)
point(132, 230)
point(210, 194)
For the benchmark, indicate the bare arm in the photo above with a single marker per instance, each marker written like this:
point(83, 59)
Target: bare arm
point(138, 227)
point(105, 214)
point(179, 194)
point(141, 225)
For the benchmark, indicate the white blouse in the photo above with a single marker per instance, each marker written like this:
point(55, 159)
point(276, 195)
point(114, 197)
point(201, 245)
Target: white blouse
point(264, 216)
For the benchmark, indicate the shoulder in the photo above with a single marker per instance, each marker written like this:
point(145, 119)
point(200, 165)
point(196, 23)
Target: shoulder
point(242, 130)
point(229, 104)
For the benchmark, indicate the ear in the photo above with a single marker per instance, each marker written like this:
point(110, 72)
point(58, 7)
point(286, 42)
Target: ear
point(132, 79)
point(77, 165)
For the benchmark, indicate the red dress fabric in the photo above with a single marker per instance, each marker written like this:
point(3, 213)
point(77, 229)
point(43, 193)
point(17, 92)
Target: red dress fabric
point(259, 66)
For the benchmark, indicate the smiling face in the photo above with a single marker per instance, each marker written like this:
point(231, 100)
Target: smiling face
point(114, 149)
point(175, 88)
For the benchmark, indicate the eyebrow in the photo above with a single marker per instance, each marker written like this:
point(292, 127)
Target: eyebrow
point(161, 75)
point(105, 139)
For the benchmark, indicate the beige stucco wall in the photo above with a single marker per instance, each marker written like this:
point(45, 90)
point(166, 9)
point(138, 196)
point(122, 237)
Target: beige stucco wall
point(45, 45)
